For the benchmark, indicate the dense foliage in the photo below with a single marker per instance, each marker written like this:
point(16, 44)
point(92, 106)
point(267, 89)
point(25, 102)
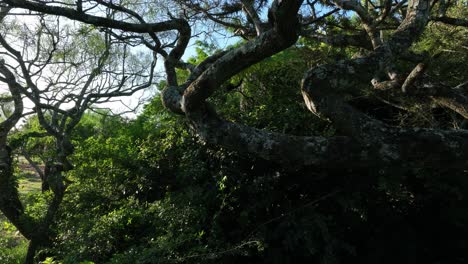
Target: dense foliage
point(150, 189)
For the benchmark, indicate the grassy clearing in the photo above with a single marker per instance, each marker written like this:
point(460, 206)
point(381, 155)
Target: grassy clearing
point(29, 182)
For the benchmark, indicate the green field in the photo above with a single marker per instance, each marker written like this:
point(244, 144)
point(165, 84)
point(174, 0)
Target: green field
point(28, 183)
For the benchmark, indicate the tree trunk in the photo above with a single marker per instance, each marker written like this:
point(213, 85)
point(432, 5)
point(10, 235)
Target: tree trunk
point(32, 248)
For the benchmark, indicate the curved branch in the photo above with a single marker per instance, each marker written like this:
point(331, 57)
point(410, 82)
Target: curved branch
point(396, 148)
point(288, 150)
point(173, 24)
point(10, 204)
point(172, 60)
point(15, 90)
point(282, 35)
point(323, 83)
point(451, 21)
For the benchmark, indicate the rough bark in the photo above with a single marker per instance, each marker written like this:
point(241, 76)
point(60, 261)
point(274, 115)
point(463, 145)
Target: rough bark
point(377, 146)
point(323, 85)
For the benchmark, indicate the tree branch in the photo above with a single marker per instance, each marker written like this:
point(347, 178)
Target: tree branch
point(451, 21)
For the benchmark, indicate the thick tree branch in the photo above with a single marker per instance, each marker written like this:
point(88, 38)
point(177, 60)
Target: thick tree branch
point(412, 148)
point(173, 24)
point(33, 164)
point(282, 35)
point(451, 21)
point(414, 74)
point(10, 204)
